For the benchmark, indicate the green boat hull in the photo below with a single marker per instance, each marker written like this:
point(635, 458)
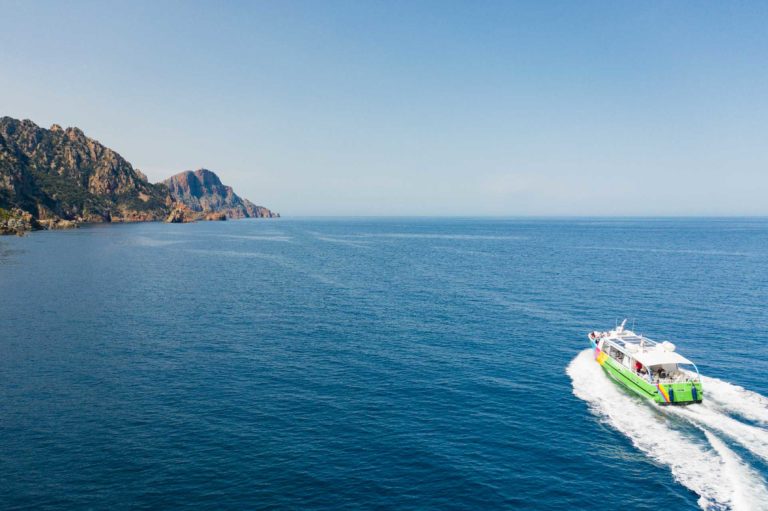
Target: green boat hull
point(679, 393)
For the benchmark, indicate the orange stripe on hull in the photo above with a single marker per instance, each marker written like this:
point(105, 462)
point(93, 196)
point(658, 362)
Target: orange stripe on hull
point(663, 392)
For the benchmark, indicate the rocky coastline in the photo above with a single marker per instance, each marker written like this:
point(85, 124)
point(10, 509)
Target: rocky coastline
point(59, 179)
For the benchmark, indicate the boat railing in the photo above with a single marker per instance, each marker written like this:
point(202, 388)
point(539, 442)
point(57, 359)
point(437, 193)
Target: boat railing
point(698, 375)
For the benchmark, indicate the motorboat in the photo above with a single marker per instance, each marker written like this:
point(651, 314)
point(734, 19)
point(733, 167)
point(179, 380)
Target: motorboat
point(653, 370)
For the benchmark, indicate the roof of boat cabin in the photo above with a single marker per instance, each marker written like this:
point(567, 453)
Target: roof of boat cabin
point(658, 356)
point(651, 353)
point(632, 338)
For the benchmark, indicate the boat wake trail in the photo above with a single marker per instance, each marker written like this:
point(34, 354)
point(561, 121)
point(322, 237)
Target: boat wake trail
point(687, 440)
point(737, 400)
point(754, 439)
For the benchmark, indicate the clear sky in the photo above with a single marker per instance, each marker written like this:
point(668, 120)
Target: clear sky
point(414, 107)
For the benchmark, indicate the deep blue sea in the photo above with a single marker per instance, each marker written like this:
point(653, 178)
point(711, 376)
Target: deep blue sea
point(415, 364)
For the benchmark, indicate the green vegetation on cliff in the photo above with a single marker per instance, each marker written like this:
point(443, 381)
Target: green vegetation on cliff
point(59, 177)
point(62, 174)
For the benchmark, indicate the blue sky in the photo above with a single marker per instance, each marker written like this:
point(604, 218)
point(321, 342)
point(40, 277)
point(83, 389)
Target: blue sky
point(414, 107)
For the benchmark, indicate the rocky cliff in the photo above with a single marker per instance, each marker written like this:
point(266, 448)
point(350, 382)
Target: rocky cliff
point(58, 178)
point(17, 222)
point(202, 191)
point(60, 174)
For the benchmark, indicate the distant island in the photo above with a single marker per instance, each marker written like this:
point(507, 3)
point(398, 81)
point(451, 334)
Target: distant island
point(59, 178)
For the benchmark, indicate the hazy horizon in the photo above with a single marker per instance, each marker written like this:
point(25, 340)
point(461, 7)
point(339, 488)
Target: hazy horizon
point(414, 108)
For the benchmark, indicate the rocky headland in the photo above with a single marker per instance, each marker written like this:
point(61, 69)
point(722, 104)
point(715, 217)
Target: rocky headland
point(202, 191)
point(60, 178)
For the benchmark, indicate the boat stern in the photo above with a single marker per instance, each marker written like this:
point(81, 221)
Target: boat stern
point(679, 393)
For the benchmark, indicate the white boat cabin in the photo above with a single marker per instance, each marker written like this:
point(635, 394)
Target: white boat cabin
point(652, 361)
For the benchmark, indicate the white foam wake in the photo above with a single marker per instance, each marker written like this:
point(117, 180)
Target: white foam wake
point(705, 465)
point(754, 438)
point(735, 399)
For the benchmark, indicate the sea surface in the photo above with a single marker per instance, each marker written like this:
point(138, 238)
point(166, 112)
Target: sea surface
point(415, 364)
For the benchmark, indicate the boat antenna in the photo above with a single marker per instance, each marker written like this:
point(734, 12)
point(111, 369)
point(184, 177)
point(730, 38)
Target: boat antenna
point(633, 324)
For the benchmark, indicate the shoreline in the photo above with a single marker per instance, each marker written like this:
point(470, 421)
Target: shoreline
point(20, 224)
